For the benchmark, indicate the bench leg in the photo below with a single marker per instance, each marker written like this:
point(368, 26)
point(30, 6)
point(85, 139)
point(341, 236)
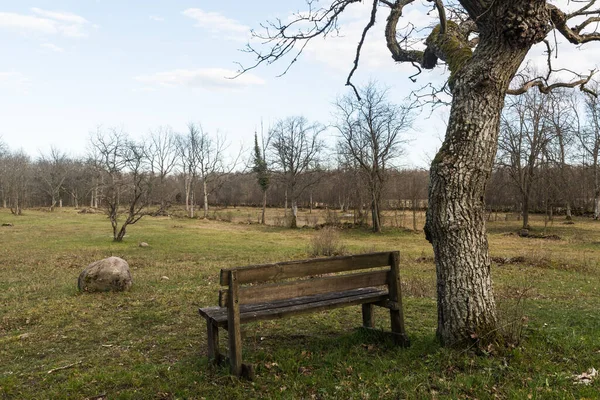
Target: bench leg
point(233, 326)
point(213, 342)
point(400, 337)
point(368, 316)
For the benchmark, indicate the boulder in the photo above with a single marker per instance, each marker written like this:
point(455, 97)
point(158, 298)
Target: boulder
point(109, 274)
point(143, 244)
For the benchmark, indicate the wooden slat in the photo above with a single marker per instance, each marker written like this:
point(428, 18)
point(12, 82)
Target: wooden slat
point(218, 315)
point(314, 307)
point(302, 268)
point(307, 287)
point(233, 326)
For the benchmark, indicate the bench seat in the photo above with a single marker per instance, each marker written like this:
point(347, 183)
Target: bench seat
point(299, 305)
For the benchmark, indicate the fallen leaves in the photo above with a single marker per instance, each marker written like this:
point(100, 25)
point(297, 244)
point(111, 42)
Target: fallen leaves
point(585, 378)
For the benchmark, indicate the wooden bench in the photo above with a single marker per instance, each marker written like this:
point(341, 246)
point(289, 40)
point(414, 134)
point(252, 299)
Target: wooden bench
point(271, 291)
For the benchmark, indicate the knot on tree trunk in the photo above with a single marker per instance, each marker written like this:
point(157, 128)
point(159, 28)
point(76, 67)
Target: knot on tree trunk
point(526, 23)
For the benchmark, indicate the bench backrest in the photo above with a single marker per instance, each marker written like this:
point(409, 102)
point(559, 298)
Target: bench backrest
point(270, 282)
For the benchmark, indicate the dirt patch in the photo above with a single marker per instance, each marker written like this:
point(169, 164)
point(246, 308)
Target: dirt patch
point(425, 260)
point(89, 211)
point(524, 233)
point(509, 260)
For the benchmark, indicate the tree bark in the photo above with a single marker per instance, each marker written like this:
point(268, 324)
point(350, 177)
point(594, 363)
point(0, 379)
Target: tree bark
point(525, 211)
point(414, 212)
point(205, 199)
point(459, 174)
point(294, 221)
point(264, 207)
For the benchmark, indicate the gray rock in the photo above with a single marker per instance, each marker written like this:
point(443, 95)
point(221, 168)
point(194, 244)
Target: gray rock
point(144, 244)
point(109, 274)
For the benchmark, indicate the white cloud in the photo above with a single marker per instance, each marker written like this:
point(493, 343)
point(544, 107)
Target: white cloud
point(52, 47)
point(217, 23)
point(206, 78)
point(156, 18)
point(66, 17)
point(45, 23)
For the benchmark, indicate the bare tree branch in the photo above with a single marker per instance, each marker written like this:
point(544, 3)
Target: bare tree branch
point(360, 45)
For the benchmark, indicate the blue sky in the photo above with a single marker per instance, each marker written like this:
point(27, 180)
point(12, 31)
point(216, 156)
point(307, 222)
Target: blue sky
point(71, 65)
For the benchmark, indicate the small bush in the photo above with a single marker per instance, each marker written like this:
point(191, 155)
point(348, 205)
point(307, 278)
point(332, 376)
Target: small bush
point(282, 221)
point(311, 220)
point(326, 242)
point(332, 218)
point(512, 320)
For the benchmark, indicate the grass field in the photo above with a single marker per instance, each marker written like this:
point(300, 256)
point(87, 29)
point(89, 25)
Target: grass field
point(150, 343)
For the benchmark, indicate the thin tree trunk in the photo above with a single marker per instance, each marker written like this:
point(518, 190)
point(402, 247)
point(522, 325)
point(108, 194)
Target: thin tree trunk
point(285, 208)
point(205, 198)
point(191, 206)
point(294, 222)
point(525, 211)
point(375, 214)
point(264, 207)
point(414, 210)
point(569, 216)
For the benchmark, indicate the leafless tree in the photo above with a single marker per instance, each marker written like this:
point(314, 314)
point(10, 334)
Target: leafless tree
point(483, 44)
point(560, 151)
point(162, 155)
point(589, 137)
point(186, 148)
point(17, 175)
point(127, 184)
point(51, 170)
point(370, 130)
point(3, 173)
point(203, 159)
point(295, 150)
point(525, 134)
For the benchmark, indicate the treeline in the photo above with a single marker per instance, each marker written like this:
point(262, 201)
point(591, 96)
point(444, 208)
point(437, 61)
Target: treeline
point(547, 161)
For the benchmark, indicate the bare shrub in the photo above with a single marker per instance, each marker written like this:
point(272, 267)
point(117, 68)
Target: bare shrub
point(326, 242)
point(415, 286)
point(282, 221)
point(510, 302)
point(311, 220)
point(332, 218)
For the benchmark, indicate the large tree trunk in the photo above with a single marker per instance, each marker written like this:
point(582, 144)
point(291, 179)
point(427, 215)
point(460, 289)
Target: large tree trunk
point(459, 173)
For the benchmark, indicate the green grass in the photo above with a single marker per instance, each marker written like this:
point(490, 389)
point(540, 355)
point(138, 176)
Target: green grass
point(150, 343)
